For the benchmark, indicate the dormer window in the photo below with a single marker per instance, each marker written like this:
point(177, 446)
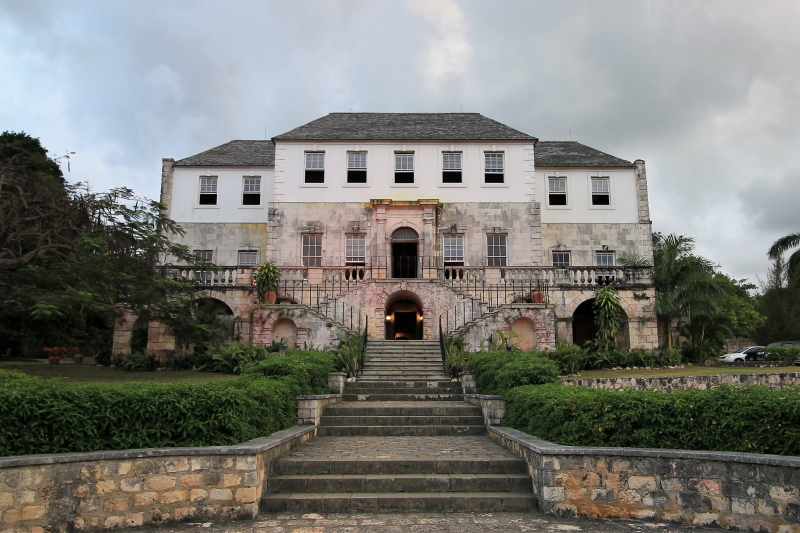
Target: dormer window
point(315, 167)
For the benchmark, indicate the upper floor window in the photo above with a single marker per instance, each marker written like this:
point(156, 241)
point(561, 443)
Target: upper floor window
point(494, 167)
point(356, 167)
point(404, 168)
point(496, 253)
point(451, 167)
point(208, 190)
point(604, 259)
point(453, 249)
point(355, 248)
point(557, 191)
point(315, 167)
point(205, 255)
point(248, 257)
point(601, 191)
point(203, 276)
point(312, 249)
point(251, 193)
point(560, 259)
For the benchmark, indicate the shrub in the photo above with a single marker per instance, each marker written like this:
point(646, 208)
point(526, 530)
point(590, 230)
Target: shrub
point(306, 372)
point(567, 356)
point(456, 361)
point(782, 353)
point(233, 358)
point(139, 361)
point(742, 419)
point(349, 356)
point(499, 372)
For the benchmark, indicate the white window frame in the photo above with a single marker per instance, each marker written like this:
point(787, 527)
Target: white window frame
point(452, 162)
point(502, 244)
point(453, 242)
point(208, 185)
point(492, 170)
point(605, 254)
point(251, 185)
point(252, 253)
point(558, 179)
point(311, 252)
point(313, 161)
point(203, 276)
point(404, 168)
point(355, 248)
point(349, 165)
point(561, 263)
point(597, 180)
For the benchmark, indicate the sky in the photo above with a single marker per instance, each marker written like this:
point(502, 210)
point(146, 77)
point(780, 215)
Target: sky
point(708, 93)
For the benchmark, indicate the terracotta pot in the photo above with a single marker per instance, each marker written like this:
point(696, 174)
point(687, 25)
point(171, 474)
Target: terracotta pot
point(537, 296)
point(77, 358)
point(54, 359)
point(271, 297)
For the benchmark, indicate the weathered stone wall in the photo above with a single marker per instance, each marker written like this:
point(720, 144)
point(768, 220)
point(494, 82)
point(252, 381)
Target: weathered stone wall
point(583, 240)
point(730, 490)
point(225, 240)
point(540, 314)
point(105, 490)
point(669, 384)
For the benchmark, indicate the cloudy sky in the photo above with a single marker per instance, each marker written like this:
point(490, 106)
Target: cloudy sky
point(708, 93)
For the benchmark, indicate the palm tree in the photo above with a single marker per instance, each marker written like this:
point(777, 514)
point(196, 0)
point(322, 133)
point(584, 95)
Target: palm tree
point(783, 245)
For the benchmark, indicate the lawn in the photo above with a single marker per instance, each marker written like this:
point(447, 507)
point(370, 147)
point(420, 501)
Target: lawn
point(686, 371)
point(89, 372)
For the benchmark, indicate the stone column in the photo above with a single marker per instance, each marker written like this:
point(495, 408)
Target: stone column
point(428, 217)
point(167, 173)
point(380, 243)
point(644, 208)
point(537, 255)
point(123, 332)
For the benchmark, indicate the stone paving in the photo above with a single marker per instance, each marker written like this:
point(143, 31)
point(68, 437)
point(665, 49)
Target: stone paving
point(419, 448)
point(420, 522)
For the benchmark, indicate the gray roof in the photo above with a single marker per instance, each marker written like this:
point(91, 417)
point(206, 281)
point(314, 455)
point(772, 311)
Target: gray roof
point(405, 127)
point(234, 153)
point(573, 154)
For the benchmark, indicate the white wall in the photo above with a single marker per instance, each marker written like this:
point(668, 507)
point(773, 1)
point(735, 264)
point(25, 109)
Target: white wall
point(290, 173)
point(186, 195)
point(624, 206)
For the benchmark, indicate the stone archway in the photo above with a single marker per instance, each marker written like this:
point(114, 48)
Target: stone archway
point(285, 330)
point(405, 253)
point(524, 336)
point(404, 316)
point(583, 327)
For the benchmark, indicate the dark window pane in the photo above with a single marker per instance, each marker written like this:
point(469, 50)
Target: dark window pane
point(208, 199)
point(404, 177)
point(315, 176)
point(451, 177)
point(356, 176)
point(558, 199)
point(494, 178)
point(600, 199)
point(251, 199)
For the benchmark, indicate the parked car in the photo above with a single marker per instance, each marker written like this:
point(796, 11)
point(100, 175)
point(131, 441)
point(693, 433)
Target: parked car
point(784, 343)
point(748, 353)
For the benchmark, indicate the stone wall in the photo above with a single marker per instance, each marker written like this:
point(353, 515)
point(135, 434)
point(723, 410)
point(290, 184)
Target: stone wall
point(730, 490)
point(105, 490)
point(669, 384)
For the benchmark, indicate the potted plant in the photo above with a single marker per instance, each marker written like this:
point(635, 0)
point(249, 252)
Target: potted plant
point(77, 357)
point(266, 279)
point(54, 354)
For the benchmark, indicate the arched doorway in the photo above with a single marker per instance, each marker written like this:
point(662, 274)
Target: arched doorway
point(404, 317)
point(218, 315)
point(583, 328)
point(405, 243)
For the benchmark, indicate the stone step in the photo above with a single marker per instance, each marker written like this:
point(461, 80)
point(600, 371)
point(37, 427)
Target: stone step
point(398, 502)
point(412, 384)
point(401, 420)
point(399, 374)
point(426, 409)
point(399, 483)
point(404, 397)
point(286, 466)
point(400, 431)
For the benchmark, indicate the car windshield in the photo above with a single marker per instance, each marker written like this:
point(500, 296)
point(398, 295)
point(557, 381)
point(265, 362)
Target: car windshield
point(741, 350)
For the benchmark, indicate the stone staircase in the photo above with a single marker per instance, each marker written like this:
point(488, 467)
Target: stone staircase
point(403, 360)
point(400, 445)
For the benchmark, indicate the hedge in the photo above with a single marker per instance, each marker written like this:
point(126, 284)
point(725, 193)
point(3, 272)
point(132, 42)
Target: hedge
point(48, 416)
point(737, 419)
point(498, 372)
point(782, 353)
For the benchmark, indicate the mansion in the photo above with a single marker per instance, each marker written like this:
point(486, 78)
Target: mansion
point(413, 225)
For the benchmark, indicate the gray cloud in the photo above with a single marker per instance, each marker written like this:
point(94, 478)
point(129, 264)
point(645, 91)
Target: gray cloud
point(706, 92)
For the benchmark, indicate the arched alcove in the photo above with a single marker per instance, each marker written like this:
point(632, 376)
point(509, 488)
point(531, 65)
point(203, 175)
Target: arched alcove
point(524, 336)
point(284, 330)
point(404, 318)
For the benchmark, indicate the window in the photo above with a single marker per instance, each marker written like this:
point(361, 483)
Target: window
point(403, 168)
point(496, 250)
point(600, 191)
point(203, 276)
point(208, 190)
point(356, 167)
point(557, 193)
point(312, 249)
point(560, 259)
point(251, 194)
point(315, 167)
point(604, 259)
point(453, 249)
point(205, 255)
point(355, 248)
point(248, 257)
point(494, 167)
point(451, 167)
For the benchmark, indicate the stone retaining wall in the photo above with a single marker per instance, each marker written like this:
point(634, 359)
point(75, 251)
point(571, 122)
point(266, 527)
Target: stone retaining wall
point(104, 490)
point(669, 384)
point(731, 490)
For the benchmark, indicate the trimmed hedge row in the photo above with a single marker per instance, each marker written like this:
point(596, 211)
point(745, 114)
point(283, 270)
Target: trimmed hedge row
point(499, 372)
point(783, 353)
point(738, 419)
point(48, 416)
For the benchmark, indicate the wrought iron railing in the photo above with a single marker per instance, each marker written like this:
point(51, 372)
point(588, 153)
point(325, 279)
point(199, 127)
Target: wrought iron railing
point(363, 356)
point(442, 347)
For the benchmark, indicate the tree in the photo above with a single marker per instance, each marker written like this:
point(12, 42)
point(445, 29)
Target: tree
point(608, 317)
point(783, 245)
point(69, 257)
point(780, 304)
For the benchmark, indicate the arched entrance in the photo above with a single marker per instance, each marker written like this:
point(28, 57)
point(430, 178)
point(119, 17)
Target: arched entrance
point(583, 328)
point(218, 315)
point(405, 243)
point(403, 316)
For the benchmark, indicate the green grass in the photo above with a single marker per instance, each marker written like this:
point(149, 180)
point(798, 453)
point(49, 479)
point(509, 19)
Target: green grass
point(89, 373)
point(686, 371)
